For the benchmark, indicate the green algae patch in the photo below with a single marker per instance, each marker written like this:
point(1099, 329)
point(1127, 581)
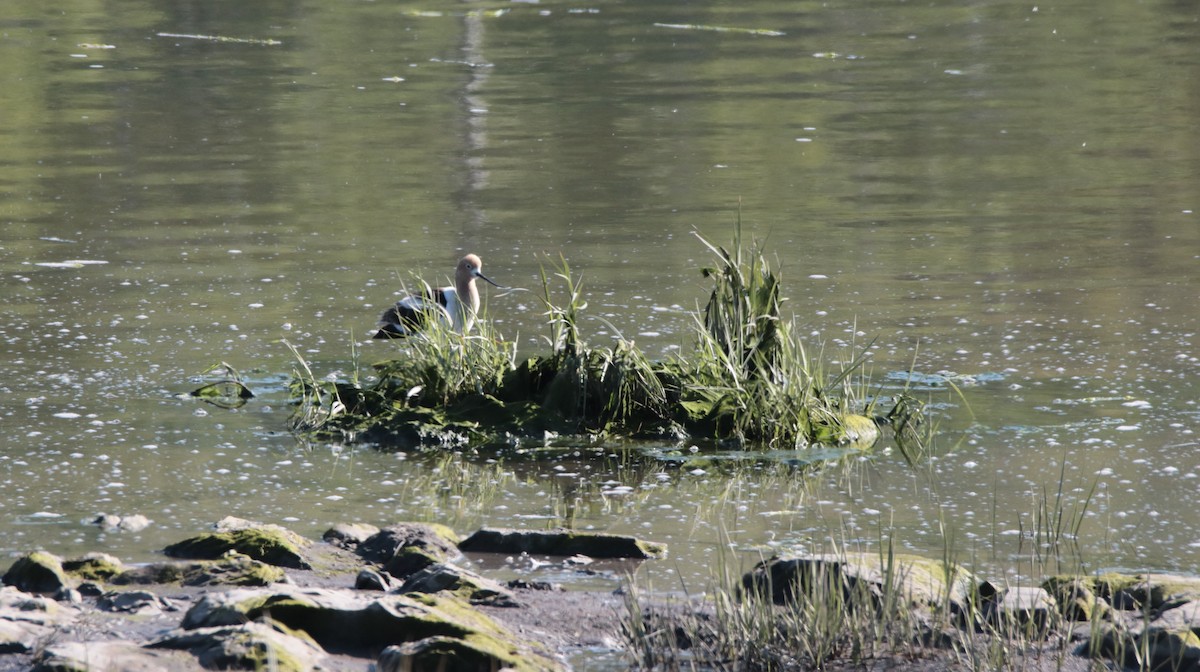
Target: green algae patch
point(269, 546)
point(94, 567)
point(561, 542)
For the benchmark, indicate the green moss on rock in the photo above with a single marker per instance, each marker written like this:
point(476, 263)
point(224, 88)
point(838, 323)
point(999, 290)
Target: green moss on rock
point(267, 546)
point(349, 623)
point(1075, 596)
point(94, 567)
point(37, 572)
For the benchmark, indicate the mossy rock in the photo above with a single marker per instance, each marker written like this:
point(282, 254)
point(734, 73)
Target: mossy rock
point(1165, 648)
point(349, 535)
point(561, 542)
point(260, 544)
point(153, 573)
point(1170, 588)
point(60, 656)
point(919, 580)
point(1172, 649)
point(405, 548)
point(1127, 591)
point(858, 431)
point(234, 570)
point(848, 430)
point(461, 583)
point(37, 572)
point(1141, 591)
point(94, 567)
point(444, 654)
point(346, 622)
point(1076, 597)
point(250, 646)
point(486, 636)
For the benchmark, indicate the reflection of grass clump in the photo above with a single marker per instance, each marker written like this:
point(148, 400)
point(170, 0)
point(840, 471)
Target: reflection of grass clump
point(748, 378)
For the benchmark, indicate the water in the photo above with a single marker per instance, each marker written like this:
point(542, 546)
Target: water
point(1004, 192)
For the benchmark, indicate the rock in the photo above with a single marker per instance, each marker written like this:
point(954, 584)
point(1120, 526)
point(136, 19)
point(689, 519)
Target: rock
point(349, 535)
point(112, 523)
point(462, 582)
point(346, 622)
point(68, 595)
point(38, 572)
point(524, 584)
point(135, 601)
point(405, 548)
point(249, 646)
point(561, 542)
point(438, 653)
point(94, 567)
point(111, 655)
point(28, 621)
point(920, 580)
point(1154, 618)
point(1029, 608)
point(1172, 649)
point(271, 544)
point(369, 579)
point(1075, 598)
point(857, 431)
point(237, 570)
point(235, 524)
point(153, 573)
point(1185, 616)
point(1133, 592)
point(1165, 649)
point(232, 570)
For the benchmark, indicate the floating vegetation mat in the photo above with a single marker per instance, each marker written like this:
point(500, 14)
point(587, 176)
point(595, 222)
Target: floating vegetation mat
point(748, 379)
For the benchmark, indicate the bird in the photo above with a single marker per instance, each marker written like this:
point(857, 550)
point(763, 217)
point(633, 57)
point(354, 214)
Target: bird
point(455, 306)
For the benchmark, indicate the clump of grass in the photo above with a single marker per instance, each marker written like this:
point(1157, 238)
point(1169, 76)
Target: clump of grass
point(748, 378)
point(597, 389)
point(829, 620)
point(443, 367)
point(829, 616)
point(1054, 528)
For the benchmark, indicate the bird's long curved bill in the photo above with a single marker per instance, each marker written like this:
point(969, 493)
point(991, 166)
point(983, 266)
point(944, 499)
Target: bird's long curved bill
point(481, 275)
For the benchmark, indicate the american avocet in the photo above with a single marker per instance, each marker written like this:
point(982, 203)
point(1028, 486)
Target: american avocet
point(455, 306)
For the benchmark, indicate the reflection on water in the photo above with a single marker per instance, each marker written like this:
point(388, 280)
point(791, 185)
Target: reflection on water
point(998, 197)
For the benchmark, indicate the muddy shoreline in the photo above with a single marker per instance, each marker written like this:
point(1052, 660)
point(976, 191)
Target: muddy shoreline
point(370, 599)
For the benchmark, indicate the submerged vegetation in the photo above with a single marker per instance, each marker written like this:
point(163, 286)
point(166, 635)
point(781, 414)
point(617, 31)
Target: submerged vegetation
point(748, 378)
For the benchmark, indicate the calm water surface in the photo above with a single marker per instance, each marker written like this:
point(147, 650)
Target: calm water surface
point(1002, 191)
